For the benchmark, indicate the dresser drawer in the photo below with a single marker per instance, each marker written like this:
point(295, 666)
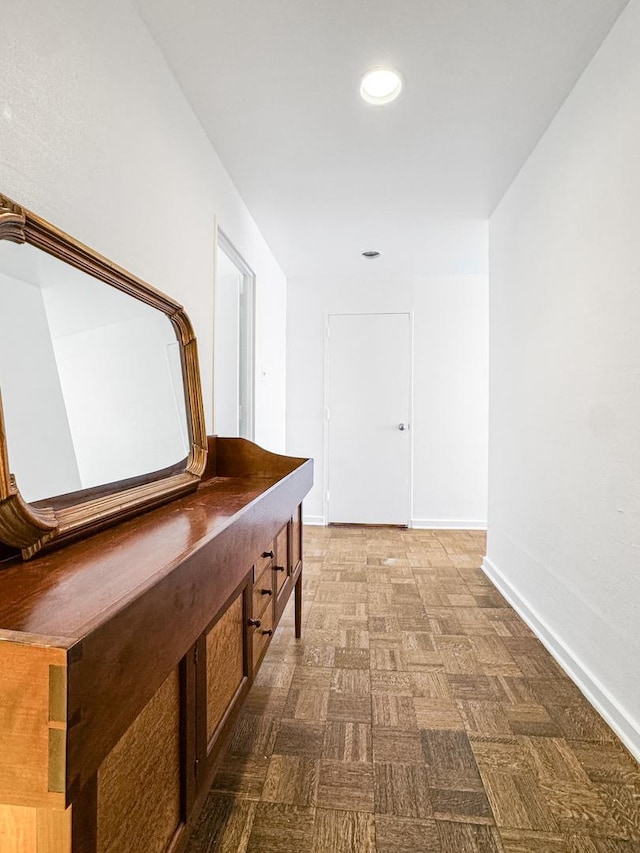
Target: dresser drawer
point(261, 635)
point(262, 593)
point(259, 573)
point(264, 560)
point(282, 558)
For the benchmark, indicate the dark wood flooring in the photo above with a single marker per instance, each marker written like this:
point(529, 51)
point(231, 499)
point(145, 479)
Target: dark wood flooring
point(418, 714)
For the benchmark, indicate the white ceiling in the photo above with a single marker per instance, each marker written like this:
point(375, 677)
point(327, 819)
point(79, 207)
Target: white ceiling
point(325, 175)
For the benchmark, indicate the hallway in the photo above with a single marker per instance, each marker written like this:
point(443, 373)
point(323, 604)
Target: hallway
point(418, 714)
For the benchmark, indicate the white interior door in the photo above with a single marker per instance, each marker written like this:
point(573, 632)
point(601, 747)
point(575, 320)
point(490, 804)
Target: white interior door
point(368, 408)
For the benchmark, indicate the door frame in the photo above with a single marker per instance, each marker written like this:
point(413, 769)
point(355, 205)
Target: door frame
point(325, 421)
point(249, 294)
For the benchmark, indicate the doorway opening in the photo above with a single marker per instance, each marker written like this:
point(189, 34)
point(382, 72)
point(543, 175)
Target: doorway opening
point(233, 342)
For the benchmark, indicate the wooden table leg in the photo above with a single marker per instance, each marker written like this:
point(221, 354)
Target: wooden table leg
point(298, 606)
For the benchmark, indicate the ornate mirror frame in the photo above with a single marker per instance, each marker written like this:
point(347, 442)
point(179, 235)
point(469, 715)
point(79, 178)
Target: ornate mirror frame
point(32, 527)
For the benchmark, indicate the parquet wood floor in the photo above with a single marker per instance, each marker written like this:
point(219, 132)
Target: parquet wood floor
point(418, 714)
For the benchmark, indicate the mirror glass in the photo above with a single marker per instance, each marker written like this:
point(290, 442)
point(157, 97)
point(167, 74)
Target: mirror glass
point(91, 379)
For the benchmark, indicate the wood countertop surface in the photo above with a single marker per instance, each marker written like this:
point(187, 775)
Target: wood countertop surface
point(62, 595)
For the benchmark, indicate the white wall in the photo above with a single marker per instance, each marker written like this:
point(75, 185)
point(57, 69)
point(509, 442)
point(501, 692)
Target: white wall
point(564, 487)
point(96, 136)
point(450, 383)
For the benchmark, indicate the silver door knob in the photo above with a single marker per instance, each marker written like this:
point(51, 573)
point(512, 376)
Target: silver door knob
point(402, 427)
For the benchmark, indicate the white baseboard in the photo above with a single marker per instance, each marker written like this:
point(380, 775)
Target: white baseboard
point(447, 524)
point(418, 523)
point(315, 520)
point(623, 725)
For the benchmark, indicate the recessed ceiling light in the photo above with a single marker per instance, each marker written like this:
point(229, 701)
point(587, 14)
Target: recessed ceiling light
point(380, 85)
point(371, 254)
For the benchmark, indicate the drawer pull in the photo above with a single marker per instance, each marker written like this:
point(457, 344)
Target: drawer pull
point(268, 632)
point(266, 592)
point(255, 623)
point(279, 568)
point(267, 554)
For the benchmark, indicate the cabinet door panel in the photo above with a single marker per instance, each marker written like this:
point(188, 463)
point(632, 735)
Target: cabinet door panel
point(225, 663)
point(296, 538)
point(139, 784)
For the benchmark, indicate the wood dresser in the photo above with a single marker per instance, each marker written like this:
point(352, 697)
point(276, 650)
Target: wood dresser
point(125, 657)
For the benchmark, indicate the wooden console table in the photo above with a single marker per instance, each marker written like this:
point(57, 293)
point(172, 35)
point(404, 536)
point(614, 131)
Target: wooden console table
point(124, 658)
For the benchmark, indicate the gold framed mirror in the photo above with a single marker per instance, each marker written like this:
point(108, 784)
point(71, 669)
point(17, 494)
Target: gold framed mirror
point(101, 412)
